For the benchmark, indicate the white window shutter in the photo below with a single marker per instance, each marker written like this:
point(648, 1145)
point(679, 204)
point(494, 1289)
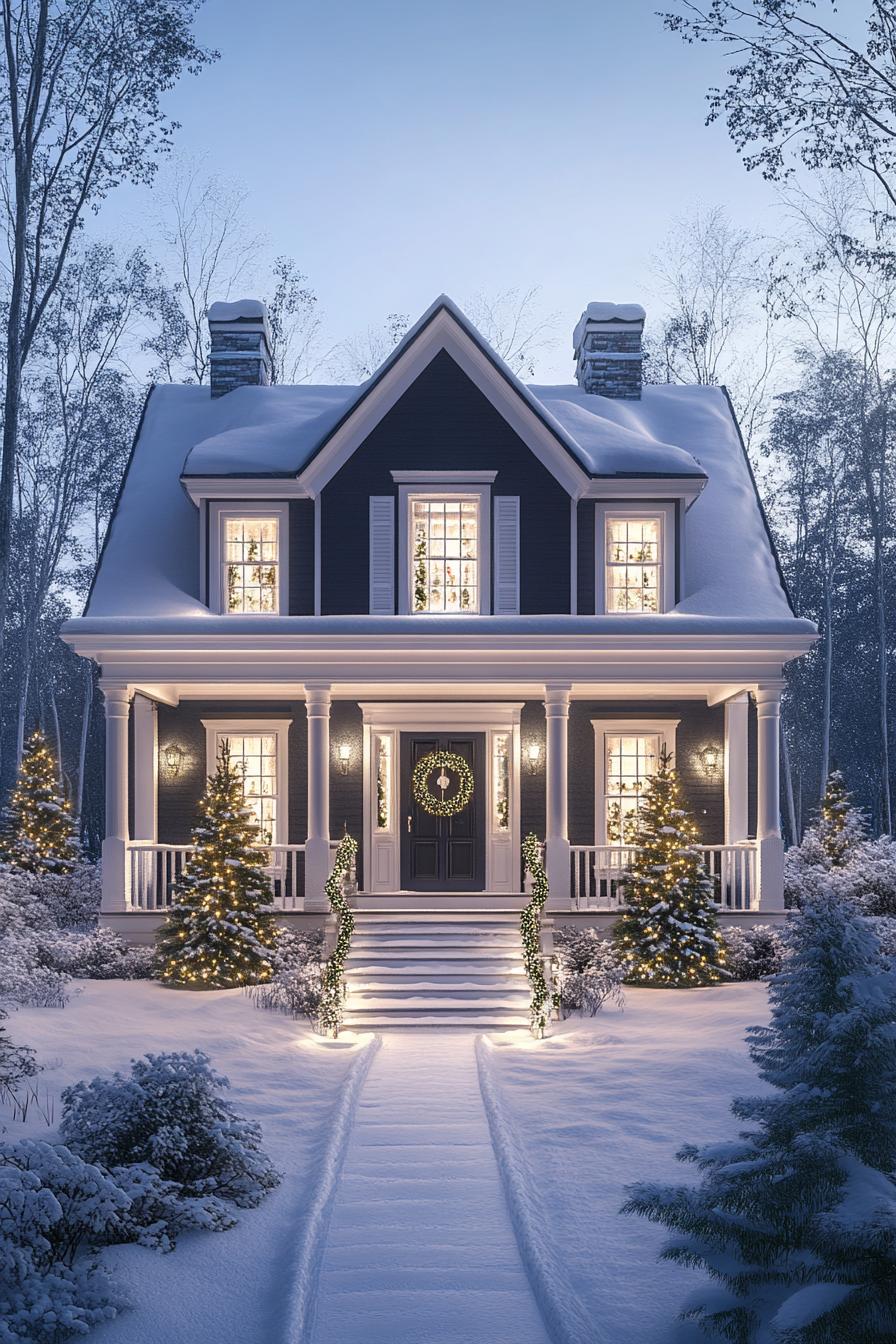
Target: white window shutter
point(507, 555)
point(382, 555)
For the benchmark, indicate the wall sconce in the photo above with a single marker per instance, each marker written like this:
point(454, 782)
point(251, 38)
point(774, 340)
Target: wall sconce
point(344, 754)
point(533, 756)
point(174, 758)
point(710, 758)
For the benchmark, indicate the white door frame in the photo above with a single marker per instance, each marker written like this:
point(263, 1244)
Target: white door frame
point(382, 848)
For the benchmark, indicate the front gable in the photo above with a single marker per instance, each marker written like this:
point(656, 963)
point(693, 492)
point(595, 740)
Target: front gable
point(443, 422)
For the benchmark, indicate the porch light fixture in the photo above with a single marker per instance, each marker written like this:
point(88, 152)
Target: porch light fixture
point(533, 756)
point(174, 758)
point(345, 755)
point(710, 758)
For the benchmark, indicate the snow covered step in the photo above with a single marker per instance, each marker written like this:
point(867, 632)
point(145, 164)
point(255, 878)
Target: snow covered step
point(472, 972)
point(380, 990)
point(463, 903)
point(488, 1022)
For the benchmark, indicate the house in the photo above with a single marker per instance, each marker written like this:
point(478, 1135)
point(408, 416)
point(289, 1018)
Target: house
point(550, 584)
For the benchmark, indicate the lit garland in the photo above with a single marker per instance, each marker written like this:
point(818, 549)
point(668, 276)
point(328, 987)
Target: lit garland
point(530, 929)
point(442, 807)
point(668, 932)
point(39, 829)
point(333, 974)
point(220, 931)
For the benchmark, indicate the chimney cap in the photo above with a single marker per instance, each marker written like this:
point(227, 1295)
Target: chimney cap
point(242, 310)
point(601, 312)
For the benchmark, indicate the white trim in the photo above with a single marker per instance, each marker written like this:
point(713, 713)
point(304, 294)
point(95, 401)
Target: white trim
point(445, 479)
point(146, 769)
point(203, 552)
point(737, 711)
point(665, 729)
point(220, 512)
point(406, 496)
point(663, 511)
point(201, 488)
point(215, 728)
point(382, 849)
point(684, 488)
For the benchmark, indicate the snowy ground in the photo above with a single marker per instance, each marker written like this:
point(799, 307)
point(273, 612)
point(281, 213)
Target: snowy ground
point(435, 1189)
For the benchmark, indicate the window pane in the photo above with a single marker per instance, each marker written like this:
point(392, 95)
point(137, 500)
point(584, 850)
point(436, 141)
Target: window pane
point(256, 758)
point(251, 564)
point(501, 782)
point(445, 555)
point(630, 760)
point(633, 564)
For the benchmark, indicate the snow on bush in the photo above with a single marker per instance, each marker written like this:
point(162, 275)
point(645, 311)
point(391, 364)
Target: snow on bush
point(295, 985)
point(867, 875)
point(53, 1206)
point(102, 955)
point(72, 899)
point(17, 1063)
point(186, 1148)
point(754, 952)
point(590, 970)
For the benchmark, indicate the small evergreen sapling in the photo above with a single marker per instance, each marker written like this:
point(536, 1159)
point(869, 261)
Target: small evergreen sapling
point(841, 825)
point(668, 934)
point(39, 831)
point(220, 932)
point(796, 1218)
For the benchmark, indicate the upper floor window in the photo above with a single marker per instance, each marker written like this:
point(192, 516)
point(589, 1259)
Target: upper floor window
point(635, 559)
point(445, 555)
point(248, 559)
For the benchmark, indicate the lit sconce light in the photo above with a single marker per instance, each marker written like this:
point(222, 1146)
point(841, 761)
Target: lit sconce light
point(710, 759)
point(533, 756)
point(174, 759)
point(345, 755)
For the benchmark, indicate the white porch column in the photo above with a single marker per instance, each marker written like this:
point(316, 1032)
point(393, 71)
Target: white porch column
point(115, 868)
point(146, 769)
point(768, 791)
point(736, 774)
point(556, 709)
point(317, 846)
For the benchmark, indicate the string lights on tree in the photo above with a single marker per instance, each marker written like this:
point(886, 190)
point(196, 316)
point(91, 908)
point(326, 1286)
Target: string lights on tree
point(841, 825)
point(39, 833)
point(668, 933)
point(220, 931)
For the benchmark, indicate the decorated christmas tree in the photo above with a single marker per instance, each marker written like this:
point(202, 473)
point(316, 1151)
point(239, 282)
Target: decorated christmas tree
point(668, 934)
point(841, 825)
point(38, 828)
point(219, 932)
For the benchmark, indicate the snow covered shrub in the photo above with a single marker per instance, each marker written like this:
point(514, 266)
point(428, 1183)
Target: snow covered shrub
point(102, 955)
point(17, 1063)
point(295, 985)
point(796, 1218)
point(169, 1120)
point(72, 899)
point(53, 1206)
point(590, 970)
point(28, 938)
point(754, 952)
point(867, 876)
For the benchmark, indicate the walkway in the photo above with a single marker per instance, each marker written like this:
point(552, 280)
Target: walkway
point(420, 1248)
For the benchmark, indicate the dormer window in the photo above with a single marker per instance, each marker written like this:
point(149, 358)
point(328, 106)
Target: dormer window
point(445, 554)
point(635, 559)
point(248, 561)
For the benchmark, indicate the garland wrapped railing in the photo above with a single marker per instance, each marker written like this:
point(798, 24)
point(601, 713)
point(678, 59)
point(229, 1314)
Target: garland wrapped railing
point(530, 929)
point(333, 977)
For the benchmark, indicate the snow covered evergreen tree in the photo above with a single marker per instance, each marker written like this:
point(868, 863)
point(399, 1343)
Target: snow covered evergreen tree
point(668, 934)
point(39, 831)
point(841, 825)
point(219, 931)
point(796, 1219)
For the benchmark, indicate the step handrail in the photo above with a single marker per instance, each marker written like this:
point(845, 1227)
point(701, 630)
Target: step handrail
point(333, 977)
point(530, 932)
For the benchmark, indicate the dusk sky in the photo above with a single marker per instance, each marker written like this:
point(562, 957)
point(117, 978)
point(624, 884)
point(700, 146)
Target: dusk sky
point(398, 150)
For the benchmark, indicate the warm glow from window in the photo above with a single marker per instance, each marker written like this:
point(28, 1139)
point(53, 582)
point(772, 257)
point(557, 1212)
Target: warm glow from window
point(630, 760)
point(634, 564)
point(444, 560)
point(501, 782)
point(252, 564)
point(254, 755)
point(383, 783)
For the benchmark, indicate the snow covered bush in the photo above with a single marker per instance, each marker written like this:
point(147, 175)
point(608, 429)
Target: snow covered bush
point(102, 955)
point(754, 952)
point(795, 1219)
point(295, 984)
point(590, 970)
point(52, 1207)
point(17, 1063)
point(73, 899)
point(185, 1146)
point(866, 877)
point(28, 938)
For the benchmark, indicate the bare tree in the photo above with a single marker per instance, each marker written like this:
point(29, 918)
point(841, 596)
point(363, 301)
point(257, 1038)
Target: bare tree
point(358, 358)
point(513, 326)
point(295, 324)
point(80, 112)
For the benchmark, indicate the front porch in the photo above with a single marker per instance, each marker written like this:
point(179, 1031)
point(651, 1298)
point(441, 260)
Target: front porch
point(560, 760)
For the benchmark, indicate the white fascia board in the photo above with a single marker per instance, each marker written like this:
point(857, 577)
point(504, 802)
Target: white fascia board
point(200, 488)
point(511, 402)
point(687, 489)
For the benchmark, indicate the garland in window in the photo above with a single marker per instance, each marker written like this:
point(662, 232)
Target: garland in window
point(442, 807)
point(333, 977)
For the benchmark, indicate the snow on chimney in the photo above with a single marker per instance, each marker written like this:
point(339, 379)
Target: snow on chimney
point(607, 348)
point(241, 345)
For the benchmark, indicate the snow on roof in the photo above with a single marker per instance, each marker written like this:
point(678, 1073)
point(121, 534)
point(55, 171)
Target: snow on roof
point(605, 312)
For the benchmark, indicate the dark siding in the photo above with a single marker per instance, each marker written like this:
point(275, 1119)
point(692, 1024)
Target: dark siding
point(586, 557)
point(346, 791)
point(443, 422)
point(301, 557)
point(532, 785)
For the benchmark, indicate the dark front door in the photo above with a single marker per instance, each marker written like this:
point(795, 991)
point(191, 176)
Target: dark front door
point(443, 853)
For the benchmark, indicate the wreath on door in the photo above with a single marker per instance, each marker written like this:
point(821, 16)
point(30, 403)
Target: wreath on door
point(425, 798)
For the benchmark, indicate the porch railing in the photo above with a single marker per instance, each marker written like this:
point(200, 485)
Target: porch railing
point(153, 870)
point(596, 873)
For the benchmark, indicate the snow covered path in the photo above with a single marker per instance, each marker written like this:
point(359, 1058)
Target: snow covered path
point(421, 1249)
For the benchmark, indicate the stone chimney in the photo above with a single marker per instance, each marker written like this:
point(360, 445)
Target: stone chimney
point(607, 348)
point(241, 345)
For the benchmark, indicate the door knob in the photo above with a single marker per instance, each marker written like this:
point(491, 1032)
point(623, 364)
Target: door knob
point(409, 825)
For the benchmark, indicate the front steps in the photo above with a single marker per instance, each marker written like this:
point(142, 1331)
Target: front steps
point(442, 965)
